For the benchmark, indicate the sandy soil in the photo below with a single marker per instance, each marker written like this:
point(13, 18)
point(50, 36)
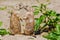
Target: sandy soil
point(4, 16)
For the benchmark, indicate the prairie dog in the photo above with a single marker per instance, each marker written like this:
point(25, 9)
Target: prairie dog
point(15, 26)
point(29, 20)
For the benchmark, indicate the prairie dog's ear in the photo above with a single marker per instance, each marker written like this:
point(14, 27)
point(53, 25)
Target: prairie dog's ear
point(15, 25)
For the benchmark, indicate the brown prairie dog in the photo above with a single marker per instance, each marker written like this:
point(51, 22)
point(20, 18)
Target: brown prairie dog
point(29, 20)
point(15, 26)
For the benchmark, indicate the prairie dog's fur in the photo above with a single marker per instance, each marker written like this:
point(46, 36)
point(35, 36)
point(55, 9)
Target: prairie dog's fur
point(15, 26)
point(29, 19)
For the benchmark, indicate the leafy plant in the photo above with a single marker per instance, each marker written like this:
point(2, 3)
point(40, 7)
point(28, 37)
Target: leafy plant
point(1, 23)
point(3, 8)
point(53, 20)
point(3, 32)
point(54, 34)
point(38, 21)
point(37, 9)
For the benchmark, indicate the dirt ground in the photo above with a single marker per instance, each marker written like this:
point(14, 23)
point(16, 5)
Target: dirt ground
point(5, 16)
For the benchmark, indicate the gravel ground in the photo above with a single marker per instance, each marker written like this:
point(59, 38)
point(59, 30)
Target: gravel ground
point(21, 37)
point(4, 16)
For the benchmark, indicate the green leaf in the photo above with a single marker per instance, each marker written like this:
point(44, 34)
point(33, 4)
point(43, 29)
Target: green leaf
point(58, 38)
point(3, 8)
point(36, 12)
point(1, 23)
point(3, 32)
point(42, 18)
point(58, 28)
point(35, 7)
point(51, 36)
point(58, 18)
point(52, 13)
point(38, 22)
point(54, 34)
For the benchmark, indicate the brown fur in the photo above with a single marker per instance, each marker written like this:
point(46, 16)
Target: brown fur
point(15, 25)
point(29, 25)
